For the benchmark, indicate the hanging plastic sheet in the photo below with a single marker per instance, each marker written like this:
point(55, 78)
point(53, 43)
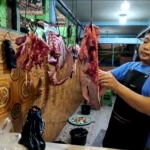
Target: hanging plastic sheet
point(50, 28)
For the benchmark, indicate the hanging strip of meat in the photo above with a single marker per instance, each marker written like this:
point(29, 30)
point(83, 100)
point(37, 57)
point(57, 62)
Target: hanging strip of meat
point(62, 56)
point(31, 51)
point(88, 57)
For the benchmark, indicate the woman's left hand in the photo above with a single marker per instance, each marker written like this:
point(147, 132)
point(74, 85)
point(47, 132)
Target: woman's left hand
point(106, 79)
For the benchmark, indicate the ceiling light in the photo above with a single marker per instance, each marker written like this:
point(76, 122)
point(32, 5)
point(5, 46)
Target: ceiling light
point(123, 19)
point(125, 5)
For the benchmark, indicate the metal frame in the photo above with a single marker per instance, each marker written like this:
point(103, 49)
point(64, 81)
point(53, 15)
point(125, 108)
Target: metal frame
point(65, 11)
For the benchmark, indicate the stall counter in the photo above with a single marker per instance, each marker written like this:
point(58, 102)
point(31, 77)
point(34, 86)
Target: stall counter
point(10, 141)
point(54, 146)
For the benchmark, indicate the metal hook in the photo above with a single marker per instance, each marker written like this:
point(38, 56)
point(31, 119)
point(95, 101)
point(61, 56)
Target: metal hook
point(10, 37)
point(8, 33)
point(91, 13)
point(5, 35)
point(91, 10)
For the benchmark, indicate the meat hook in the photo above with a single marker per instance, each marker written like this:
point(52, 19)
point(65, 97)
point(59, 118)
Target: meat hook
point(91, 13)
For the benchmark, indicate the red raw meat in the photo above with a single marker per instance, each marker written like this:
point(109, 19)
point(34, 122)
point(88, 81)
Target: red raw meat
point(31, 51)
point(89, 69)
point(62, 56)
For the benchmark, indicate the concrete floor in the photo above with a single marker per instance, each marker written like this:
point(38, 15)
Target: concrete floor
point(100, 121)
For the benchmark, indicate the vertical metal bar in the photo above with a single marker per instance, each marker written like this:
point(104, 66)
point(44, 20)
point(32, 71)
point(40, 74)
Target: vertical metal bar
point(67, 32)
point(9, 15)
point(18, 16)
point(52, 11)
point(79, 35)
point(112, 45)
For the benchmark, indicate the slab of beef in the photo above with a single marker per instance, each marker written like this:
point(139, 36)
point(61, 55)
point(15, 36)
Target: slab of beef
point(88, 57)
point(31, 51)
point(61, 56)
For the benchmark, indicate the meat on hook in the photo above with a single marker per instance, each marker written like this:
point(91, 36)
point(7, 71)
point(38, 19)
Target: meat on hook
point(88, 57)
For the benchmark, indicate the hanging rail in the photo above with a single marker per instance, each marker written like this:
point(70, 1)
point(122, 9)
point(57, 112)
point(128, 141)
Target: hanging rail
point(70, 13)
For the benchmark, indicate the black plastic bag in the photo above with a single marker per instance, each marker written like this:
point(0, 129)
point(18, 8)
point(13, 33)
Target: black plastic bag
point(31, 135)
point(9, 54)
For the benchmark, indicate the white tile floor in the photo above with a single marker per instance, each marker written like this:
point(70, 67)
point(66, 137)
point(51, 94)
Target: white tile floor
point(100, 119)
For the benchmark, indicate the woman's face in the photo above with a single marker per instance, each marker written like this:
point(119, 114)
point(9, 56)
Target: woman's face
point(144, 50)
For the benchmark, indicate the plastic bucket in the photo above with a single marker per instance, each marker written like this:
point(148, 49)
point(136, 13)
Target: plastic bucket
point(85, 109)
point(78, 136)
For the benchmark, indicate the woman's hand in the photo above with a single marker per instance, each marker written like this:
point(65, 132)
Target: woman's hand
point(106, 79)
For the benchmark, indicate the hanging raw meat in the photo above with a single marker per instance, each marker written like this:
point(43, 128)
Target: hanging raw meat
point(74, 51)
point(31, 51)
point(60, 56)
point(88, 57)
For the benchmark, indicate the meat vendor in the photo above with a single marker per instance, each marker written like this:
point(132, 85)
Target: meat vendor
point(130, 118)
